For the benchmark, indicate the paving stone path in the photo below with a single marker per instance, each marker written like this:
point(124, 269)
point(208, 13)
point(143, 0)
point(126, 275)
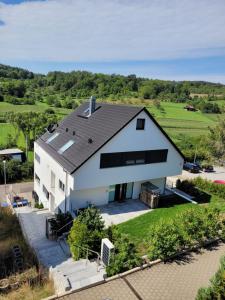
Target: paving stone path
point(178, 280)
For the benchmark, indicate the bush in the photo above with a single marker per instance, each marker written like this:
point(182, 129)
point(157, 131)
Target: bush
point(16, 171)
point(192, 227)
point(217, 288)
point(165, 240)
point(78, 239)
point(125, 253)
point(209, 186)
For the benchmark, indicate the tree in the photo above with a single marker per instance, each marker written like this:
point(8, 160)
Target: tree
point(216, 140)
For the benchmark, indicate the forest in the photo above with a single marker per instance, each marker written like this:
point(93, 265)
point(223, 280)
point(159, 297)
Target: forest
point(60, 89)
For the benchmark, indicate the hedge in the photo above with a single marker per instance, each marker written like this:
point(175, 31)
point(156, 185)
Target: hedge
point(195, 226)
point(209, 186)
point(16, 171)
point(216, 290)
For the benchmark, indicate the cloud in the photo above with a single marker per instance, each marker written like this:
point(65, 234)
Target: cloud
point(112, 30)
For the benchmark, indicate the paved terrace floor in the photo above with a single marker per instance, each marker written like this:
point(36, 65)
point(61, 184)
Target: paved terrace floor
point(178, 280)
point(118, 212)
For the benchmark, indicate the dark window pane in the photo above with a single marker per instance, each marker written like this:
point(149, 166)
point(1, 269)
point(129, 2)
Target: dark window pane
point(155, 156)
point(140, 124)
point(109, 160)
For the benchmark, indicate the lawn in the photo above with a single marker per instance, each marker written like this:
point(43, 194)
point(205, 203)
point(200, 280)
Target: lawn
point(138, 228)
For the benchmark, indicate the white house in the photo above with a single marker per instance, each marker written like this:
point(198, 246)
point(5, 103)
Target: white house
point(102, 153)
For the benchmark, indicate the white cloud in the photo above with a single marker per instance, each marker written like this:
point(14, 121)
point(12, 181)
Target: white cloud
point(112, 30)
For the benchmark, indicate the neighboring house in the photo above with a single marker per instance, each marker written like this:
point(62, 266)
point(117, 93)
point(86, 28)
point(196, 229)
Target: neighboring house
point(15, 153)
point(102, 153)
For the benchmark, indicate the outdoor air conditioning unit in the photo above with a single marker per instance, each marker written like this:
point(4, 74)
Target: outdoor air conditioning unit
point(107, 249)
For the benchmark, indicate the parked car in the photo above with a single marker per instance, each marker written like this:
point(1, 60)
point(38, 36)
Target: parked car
point(207, 168)
point(191, 167)
point(219, 181)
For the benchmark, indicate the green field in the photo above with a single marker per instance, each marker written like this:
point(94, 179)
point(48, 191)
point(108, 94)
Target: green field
point(38, 107)
point(175, 119)
point(171, 116)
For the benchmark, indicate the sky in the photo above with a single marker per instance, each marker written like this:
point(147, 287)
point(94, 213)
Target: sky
point(175, 39)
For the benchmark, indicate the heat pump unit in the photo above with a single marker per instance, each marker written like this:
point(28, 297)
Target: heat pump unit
point(107, 249)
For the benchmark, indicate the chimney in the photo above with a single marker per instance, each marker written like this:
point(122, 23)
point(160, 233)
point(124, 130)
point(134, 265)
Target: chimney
point(92, 102)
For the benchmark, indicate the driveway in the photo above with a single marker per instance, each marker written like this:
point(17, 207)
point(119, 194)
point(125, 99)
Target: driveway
point(178, 280)
point(23, 188)
point(116, 212)
point(218, 174)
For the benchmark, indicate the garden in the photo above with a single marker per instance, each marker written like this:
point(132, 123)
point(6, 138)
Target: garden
point(159, 234)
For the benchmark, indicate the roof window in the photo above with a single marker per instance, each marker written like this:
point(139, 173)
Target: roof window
point(51, 138)
point(66, 146)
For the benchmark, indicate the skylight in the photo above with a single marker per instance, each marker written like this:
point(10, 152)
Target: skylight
point(52, 137)
point(66, 146)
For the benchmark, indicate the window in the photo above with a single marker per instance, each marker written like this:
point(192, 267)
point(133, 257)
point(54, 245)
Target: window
point(37, 158)
point(140, 124)
point(52, 179)
point(51, 138)
point(45, 191)
point(61, 185)
point(37, 178)
point(66, 146)
point(120, 159)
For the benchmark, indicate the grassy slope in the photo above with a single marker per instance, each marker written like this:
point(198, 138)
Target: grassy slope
point(138, 228)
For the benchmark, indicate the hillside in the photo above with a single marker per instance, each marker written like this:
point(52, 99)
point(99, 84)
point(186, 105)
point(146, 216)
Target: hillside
point(20, 86)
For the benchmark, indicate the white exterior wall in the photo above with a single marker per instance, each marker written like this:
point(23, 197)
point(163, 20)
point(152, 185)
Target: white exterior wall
point(80, 199)
point(89, 184)
point(129, 139)
point(43, 170)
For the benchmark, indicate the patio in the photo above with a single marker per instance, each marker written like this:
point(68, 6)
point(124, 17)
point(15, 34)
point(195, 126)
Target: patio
point(119, 212)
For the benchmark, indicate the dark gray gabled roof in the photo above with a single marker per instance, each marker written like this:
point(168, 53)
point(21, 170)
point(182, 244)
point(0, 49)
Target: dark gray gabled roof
point(100, 127)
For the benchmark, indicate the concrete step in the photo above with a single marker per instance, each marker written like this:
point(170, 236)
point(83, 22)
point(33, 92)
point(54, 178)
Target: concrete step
point(65, 247)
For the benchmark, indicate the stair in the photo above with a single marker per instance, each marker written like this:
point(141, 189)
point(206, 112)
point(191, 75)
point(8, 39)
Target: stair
point(73, 275)
point(64, 246)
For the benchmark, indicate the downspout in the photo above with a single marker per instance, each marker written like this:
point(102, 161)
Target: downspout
point(66, 190)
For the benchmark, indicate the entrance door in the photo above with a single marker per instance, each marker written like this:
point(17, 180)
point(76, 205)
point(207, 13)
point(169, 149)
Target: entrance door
point(123, 191)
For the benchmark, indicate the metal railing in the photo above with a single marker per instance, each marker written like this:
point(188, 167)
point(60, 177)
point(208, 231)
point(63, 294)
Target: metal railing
point(87, 255)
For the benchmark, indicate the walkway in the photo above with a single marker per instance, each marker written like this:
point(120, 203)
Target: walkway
point(179, 280)
point(65, 272)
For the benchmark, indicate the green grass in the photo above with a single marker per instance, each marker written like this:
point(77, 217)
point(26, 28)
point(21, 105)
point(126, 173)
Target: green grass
point(38, 107)
point(139, 228)
point(175, 119)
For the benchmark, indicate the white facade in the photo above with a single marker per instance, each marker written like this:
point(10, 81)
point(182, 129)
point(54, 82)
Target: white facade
point(91, 184)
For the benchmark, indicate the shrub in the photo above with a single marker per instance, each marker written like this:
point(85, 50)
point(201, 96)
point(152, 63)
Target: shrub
point(125, 253)
point(16, 171)
point(217, 288)
point(165, 240)
point(192, 227)
point(78, 239)
point(92, 218)
point(209, 186)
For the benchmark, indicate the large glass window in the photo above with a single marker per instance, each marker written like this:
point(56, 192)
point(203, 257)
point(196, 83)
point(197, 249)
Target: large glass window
point(119, 159)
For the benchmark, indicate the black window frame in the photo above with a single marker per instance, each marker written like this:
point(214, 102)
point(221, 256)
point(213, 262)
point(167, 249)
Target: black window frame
point(140, 125)
point(61, 185)
point(131, 158)
point(45, 191)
